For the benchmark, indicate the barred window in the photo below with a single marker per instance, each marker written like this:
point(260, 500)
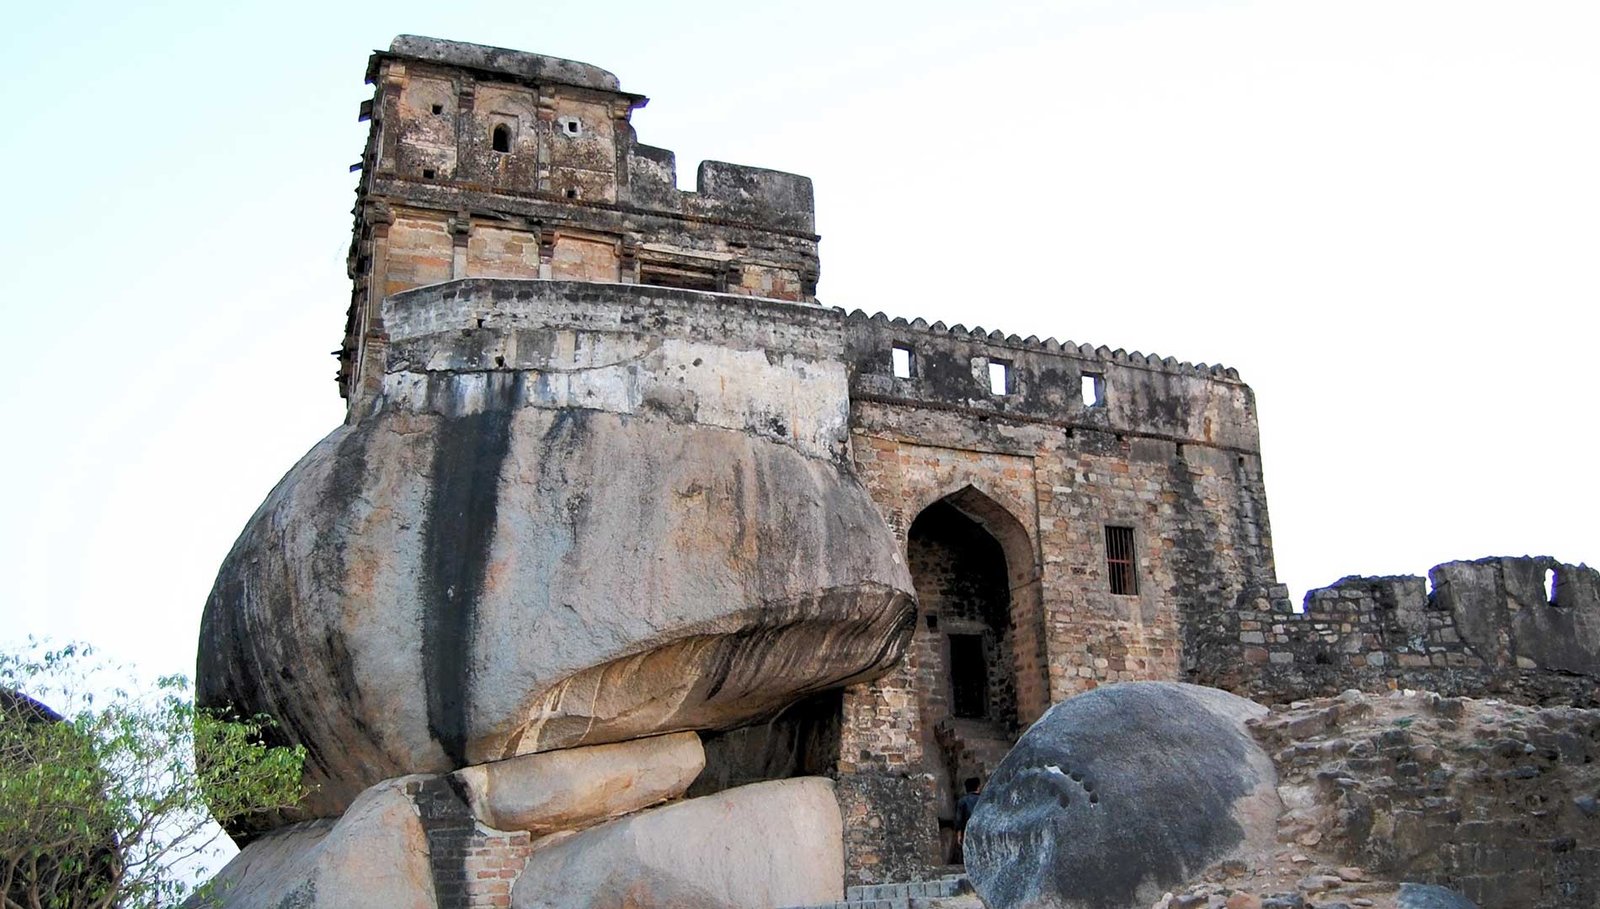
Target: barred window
point(1120, 565)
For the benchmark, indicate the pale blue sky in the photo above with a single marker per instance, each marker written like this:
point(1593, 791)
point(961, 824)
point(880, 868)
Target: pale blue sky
point(1384, 214)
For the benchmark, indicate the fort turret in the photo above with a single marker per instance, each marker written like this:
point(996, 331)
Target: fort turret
point(486, 162)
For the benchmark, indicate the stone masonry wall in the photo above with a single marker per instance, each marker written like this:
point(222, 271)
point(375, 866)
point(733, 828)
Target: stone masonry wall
point(1488, 627)
point(890, 829)
point(487, 162)
point(1167, 449)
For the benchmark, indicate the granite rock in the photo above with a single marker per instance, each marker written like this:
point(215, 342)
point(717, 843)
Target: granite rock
point(1118, 794)
point(474, 576)
point(375, 856)
point(577, 787)
point(766, 844)
point(1431, 896)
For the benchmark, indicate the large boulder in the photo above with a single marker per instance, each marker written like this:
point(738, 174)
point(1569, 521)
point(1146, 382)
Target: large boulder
point(578, 787)
point(751, 847)
point(375, 856)
point(575, 514)
point(1115, 795)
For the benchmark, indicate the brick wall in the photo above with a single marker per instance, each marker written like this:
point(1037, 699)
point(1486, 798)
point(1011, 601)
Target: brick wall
point(474, 867)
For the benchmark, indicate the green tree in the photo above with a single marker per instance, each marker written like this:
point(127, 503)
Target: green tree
point(111, 800)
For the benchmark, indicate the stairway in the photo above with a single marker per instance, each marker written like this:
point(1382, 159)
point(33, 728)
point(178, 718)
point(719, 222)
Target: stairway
point(972, 748)
point(953, 891)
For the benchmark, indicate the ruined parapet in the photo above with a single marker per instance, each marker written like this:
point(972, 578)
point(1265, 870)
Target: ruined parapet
point(489, 162)
point(1527, 629)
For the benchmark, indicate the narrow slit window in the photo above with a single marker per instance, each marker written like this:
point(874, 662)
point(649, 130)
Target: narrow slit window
point(999, 377)
point(1093, 388)
point(502, 138)
point(1120, 565)
point(901, 357)
point(1550, 585)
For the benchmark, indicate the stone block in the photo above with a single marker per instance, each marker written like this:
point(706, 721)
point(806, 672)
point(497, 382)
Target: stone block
point(766, 844)
point(578, 787)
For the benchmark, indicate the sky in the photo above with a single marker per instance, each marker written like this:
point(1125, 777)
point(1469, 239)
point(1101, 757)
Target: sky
point(1385, 215)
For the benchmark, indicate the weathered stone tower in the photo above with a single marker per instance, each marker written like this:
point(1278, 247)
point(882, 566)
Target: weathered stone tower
point(485, 162)
point(611, 473)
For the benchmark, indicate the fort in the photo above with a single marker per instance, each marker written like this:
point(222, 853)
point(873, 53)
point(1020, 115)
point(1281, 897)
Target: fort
point(611, 473)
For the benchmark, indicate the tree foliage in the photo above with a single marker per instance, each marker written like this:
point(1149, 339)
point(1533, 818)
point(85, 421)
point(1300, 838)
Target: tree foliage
point(110, 801)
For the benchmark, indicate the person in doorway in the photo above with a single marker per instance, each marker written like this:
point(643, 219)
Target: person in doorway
point(964, 806)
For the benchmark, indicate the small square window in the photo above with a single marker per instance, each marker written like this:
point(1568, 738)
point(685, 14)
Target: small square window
point(438, 108)
point(1121, 566)
point(901, 359)
point(999, 377)
point(1093, 388)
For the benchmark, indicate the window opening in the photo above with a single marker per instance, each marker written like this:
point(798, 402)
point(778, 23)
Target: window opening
point(502, 138)
point(1120, 567)
point(901, 357)
point(572, 192)
point(969, 677)
point(438, 108)
point(427, 173)
point(999, 377)
point(1550, 585)
point(1093, 389)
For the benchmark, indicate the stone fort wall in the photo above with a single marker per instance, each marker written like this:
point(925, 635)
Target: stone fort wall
point(1526, 629)
point(1078, 439)
point(1039, 445)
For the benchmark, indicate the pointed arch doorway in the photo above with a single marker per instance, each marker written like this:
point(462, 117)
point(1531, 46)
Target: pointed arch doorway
point(973, 565)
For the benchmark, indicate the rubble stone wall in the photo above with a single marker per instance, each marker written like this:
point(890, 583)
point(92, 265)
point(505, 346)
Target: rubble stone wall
point(1494, 800)
point(1484, 627)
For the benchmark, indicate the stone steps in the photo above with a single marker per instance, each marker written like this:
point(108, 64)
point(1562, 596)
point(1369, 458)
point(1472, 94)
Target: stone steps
point(971, 747)
point(953, 891)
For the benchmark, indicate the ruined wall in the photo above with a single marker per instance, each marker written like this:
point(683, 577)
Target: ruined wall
point(1488, 627)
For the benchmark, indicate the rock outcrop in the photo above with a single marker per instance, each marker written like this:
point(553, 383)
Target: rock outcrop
point(625, 531)
point(374, 857)
point(1494, 800)
point(766, 844)
point(578, 787)
point(1115, 795)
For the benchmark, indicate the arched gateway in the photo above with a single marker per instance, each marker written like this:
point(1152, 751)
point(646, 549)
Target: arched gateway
point(973, 568)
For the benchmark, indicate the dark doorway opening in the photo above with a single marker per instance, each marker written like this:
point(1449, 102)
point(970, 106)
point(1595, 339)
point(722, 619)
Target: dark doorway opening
point(966, 676)
point(969, 677)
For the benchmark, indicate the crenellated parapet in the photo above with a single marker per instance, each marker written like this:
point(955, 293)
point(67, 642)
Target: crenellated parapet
point(1052, 382)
